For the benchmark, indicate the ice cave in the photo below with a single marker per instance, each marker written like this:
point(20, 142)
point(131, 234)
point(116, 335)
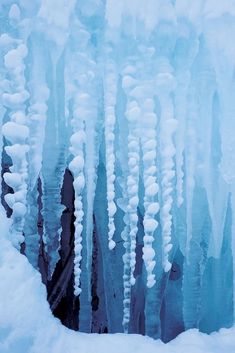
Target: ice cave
point(117, 216)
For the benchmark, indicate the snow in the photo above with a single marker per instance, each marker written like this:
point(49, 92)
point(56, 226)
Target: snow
point(150, 225)
point(19, 209)
point(15, 132)
point(15, 99)
point(12, 179)
point(14, 57)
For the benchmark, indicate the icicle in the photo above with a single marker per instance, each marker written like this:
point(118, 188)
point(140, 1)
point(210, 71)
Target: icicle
point(54, 31)
point(180, 111)
point(129, 185)
point(91, 152)
point(206, 86)
point(81, 81)
point(165, 86)
point(190, 161)
point(184, 54)
point(132, 114)
point(142, 90)
point(54, 161)
point(17, 133)
point(123, 205)
point(185, 51)
point(37, 121)
point(148, 143)
point(126, 261)
point(126, 279)
point(91, 155)
point(37, 113)
point(77, 168)
point(110, 101)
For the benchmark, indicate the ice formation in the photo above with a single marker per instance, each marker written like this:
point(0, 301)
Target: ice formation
point(118, 159)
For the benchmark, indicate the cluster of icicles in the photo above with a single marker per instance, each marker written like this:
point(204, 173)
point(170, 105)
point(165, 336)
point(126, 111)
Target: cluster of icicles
point(24, 131)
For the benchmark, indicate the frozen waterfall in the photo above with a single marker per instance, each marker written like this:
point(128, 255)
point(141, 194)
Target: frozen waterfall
point(118, 159)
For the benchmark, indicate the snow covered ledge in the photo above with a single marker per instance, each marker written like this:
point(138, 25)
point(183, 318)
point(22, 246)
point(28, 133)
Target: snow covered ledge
point(28, 326)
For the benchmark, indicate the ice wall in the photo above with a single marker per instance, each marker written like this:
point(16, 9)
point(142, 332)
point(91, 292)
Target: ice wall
point(136, 100)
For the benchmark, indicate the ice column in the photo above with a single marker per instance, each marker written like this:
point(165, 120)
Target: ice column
point(180, 110)
point(123, 203)
point(110, 118)
point(125, 234)
point(165, 84)
point(37, 121)
point(132, 114)
point(77, 168)
point(149, 145)
point(190, 162)
point(185, 52)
